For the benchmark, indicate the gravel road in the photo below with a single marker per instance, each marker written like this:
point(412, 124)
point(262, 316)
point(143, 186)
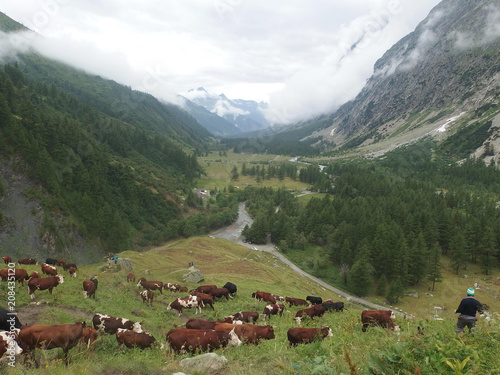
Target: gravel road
point(233, 233)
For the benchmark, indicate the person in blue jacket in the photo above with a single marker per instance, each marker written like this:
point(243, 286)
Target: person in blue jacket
point(467, 309)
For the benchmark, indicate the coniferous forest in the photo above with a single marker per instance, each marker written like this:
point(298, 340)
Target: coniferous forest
point(392, 219)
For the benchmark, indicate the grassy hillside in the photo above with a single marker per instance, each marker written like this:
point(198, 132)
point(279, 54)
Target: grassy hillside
point(349, 351)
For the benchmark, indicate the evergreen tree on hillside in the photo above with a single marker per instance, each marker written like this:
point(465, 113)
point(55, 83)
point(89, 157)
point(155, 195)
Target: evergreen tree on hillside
point(360, 276)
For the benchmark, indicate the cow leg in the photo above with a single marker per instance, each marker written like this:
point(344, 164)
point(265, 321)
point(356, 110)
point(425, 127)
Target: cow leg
point(66, 350)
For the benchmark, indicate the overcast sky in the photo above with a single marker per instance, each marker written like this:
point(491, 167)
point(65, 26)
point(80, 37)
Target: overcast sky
point(294, 54)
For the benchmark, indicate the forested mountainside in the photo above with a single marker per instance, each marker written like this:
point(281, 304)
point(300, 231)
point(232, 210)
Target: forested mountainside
point(386, 222)
point(446, 72)
point(83, 157)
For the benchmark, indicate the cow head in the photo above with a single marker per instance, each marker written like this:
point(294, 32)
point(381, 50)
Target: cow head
point(298, 320)
point(60, 279)
point(233, 339)
point(137, 327)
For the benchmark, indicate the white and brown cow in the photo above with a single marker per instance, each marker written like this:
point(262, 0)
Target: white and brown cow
point(110, 324)
point(186, 303)
point(151, 285)
point(273, 309)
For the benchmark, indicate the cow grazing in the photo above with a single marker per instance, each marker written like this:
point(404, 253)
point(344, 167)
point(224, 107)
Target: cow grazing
point(8, 320)
point(132, 339)
point(206, 299)
point(183, 340)
point(314, 300)
point(63, 336)
point(273, 309)
point(131, 277)
point(47, 269)
point(248, 333)
point(185, 303)
point(72, 271)
point(296, 301)
point(147, 296)
point(264, 296)
point(27, 261)
point(110, 324)
point(9, 344)
point(382, 318)
point(307, 335)
point(43, 284)
point(151, 285)
point(89, 336)
point(60, 263)
point(231, 287)
point(66, 266)
point(220, 293)
point(311, 312)
point(330, 306)
point(90, 287)
point(278, 297)
point(20, 274)
point(245, 316)
point(51, 261)
point(34, 275)
point(7, 260)
point(203, 289)
point(177, 288)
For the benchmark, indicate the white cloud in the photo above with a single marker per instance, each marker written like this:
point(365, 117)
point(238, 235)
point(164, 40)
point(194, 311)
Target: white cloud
point(294, 53)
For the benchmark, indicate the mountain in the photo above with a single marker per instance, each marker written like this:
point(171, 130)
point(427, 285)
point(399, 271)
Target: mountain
point(215, 124)
point(246, 115)
point(443, 80)
point(89, 166)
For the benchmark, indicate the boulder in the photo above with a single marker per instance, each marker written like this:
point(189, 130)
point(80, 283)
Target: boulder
point(125, 264)
point(208, 363)
point(193, 276)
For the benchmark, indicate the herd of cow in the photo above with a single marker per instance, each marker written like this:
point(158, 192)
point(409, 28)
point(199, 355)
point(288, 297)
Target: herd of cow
point(198, 335)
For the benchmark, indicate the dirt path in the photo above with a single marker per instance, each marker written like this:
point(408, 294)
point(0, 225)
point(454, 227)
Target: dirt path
point(233, 233)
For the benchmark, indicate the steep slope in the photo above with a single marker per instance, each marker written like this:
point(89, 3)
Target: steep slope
point(449, 66)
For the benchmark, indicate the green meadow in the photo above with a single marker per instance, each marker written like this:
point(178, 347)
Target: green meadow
point(349, 351)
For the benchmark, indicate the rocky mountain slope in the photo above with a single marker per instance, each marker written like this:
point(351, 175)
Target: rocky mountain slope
point(440, 78)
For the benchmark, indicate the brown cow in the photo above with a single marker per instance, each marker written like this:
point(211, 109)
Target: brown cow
point(47, 269)
point(110, 324)
point(66, 266)
point(27, 261)
point(192, 340)
point(220, 293)
point(245, 316)
point(147, 296)
point(72, 271)
point(60, 263)
point(131, 277)
point(89, 287)
point(296, 301)
point(44, 283)
point(19, 274)
point(34, 275)
point(382, 318)
point(248, 333)
point(307, 335)
point(130, 338)
point(185, 303)
point(151, 285)
point(89, 336)
point(203, 289)
point(264, 296)
point(205, 299)
point(63, 336)
point(273, 309)
point(7, 260)
point(206, 324)
point(311, 312)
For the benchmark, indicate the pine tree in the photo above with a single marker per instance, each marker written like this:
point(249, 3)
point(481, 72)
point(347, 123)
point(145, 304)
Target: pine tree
point(382, 284)
point(434, 267)
point(360, 275)
point(395, 291)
